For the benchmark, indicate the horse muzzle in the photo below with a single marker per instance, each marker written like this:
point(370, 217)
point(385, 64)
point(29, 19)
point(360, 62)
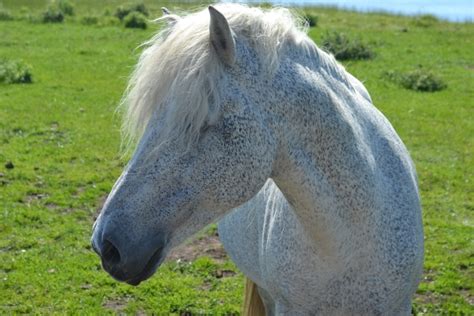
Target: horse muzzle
point(126, 260)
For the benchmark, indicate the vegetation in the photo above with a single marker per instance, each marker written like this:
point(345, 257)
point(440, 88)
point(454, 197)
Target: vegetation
point(59, 145)
point(5, 15)
point(90, 20)
point(57, 10)
point(53, 15)
point(124, 11)
point(12, 71)
point(344, 48)
point(311, 19)
point(135, 20)
point(65, 7)
point(418, 80)
point(425, 20)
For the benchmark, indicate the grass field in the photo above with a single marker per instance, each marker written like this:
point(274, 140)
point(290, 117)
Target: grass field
point(61, 135)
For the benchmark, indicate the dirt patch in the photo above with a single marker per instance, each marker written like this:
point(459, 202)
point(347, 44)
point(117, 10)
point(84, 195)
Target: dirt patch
point(468, 297)
point(34, 197)
point(202, 246)
point(427, 298)
point(224, 273)
point(51, 205)
point(79, 191)
point(116, 305)
point(206, 286)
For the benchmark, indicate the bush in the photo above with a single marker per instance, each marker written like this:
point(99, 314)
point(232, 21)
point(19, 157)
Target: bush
point(57, 10)
point(135, 20)
point(311, 19)
point(90, 20)
point(5, 15)
point(344, 48)
point(124, 11)
point(266, 5)
point(66, 7)
point(26, 15)
point(426, 20)
point(417, 80)
point(24, 11)
point(53, 15)
point(109, 21)
point(14, 72)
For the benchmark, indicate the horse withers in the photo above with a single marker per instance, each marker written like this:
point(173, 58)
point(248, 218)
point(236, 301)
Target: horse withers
point(238, 117)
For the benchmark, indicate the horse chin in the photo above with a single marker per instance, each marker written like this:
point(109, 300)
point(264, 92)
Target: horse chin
point(150, 268)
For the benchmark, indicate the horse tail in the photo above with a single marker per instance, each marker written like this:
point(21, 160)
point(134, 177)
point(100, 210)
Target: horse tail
point(253, 304)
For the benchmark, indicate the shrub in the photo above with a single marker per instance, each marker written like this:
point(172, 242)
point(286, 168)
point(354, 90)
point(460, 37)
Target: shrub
point(26, 15)
point(109, 20)
point(57, 10)
point(14, 72)
point(53, 15)
point(5, 15)
point(89, 20)
point(24, 11)
point(417, 80)
point(66, 7)
point(311, 19)
point(266, 5)
point(426, 20)
point(135, 20)
point(125, 10)
point(344, 48)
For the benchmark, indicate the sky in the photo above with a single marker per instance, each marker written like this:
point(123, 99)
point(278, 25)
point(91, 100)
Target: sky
point(453, 10)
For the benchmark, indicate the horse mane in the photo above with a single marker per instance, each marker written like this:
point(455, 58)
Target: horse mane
point(177, 75)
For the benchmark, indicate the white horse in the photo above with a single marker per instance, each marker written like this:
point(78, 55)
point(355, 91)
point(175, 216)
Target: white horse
point(238, 113)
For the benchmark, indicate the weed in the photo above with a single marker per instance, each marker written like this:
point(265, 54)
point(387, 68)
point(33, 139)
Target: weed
point(135, 20)
point(417, 80)
point(5, 15)
point(25, 14)
point(108, 21)
point(53, 15)
point(124, 11)
point(89, 20)
point(57, 10)
point(311, 19)
point(14, 72)
point(66, 7)
point(266, 5)
point(344, 48)
point(24, 11)
point(425, 20)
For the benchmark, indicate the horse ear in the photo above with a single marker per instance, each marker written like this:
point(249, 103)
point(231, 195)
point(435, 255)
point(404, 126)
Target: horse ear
point(171, 19)
point(221, 37)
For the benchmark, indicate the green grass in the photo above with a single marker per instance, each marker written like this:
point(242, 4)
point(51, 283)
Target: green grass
point(62, 136)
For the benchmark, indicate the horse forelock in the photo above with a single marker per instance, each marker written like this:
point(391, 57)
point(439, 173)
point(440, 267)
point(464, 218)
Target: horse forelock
point(177, 75)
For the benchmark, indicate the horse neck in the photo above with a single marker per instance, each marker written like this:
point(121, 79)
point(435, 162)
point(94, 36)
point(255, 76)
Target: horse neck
point(313, 116)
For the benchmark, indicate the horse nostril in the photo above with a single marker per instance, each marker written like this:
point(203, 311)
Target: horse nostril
point(110, 253)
